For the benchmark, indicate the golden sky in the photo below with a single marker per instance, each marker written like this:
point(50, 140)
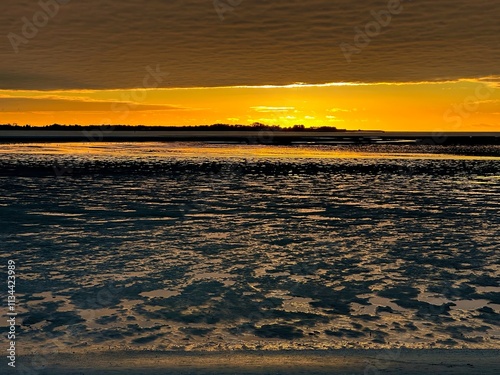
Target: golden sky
point(469, 105)
point(399, 64)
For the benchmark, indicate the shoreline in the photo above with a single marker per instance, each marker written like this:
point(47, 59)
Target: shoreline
point(250, 137)
point(343, 361)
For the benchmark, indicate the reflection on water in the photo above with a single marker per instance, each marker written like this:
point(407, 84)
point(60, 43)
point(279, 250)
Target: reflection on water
point(231, 250)
point(183, 150)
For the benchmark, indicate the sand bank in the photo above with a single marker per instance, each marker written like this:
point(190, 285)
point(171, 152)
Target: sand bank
point(409, 362)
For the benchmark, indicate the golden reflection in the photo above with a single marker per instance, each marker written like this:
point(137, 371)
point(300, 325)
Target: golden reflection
point(218, 151)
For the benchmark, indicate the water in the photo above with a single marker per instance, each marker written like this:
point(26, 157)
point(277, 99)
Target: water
point(224, 247)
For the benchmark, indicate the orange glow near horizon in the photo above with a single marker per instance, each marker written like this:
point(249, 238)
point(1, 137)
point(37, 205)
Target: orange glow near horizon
point(465, 105)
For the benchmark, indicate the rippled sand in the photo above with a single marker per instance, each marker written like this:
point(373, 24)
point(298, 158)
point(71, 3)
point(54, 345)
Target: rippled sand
point(341, 362)
point(215, 251)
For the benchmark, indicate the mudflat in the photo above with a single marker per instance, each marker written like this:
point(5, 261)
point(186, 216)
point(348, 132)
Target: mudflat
point(344, 361)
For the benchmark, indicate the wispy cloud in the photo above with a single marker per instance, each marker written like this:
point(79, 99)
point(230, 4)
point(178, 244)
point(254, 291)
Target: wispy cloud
point(266, 109)
point(335, 110)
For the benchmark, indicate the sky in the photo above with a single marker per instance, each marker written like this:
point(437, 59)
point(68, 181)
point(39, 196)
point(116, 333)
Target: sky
point(369, 64)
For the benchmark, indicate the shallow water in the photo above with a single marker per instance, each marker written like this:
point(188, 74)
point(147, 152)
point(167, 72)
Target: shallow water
point(210, 247)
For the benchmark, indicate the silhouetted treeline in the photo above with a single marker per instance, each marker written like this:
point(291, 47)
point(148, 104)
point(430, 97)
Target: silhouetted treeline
point(215, 127)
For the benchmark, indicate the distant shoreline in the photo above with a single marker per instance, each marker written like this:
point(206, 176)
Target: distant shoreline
point(344, 361)
point(249, 136)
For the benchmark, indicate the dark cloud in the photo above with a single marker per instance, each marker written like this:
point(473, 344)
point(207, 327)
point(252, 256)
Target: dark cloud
point(109, 44)
point(23, 104)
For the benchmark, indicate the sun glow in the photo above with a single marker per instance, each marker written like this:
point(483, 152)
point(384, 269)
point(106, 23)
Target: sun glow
point(463, 105)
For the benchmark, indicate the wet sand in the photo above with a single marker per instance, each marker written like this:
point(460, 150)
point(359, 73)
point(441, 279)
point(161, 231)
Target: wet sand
point(266, 137)
point(344, 361)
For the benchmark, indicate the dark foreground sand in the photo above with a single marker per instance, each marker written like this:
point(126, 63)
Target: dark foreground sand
point(268, 137)
point(272, 363)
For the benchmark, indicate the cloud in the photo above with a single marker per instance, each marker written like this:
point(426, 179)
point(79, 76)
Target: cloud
point(102, 45)
point(265, 109)
point(335, 110)
point(23, 104)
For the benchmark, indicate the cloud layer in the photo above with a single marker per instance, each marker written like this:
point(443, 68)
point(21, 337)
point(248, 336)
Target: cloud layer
point(96, 44)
